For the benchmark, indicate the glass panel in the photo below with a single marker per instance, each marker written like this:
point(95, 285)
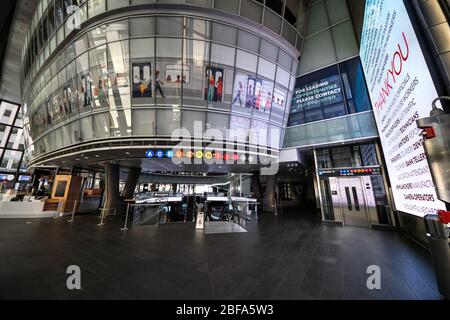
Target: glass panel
point(248, 41)
point(8, 113)
point(96, 7)
point(279, 99)
point(345, 40)
point(84, 82)
point(272, 21)
point(120, 123)
point(197, 29)
point(86, 129)
point(196, 55)
point(239, 128)
point(251, 10)
point(194, 122)
point(318, 18)
point(101, 125)
point(11, 161)
point(222, 54)
point(227, 5)
point(144, 122)
point(355, 86)
point(268, 50)
point(223, 33)
point(246, 61)
point(4, 134)
point(97, 36)
point(357, 126)
point(114, 4)
point(117, 31)
point(266, 68)
point(217, 121)
point(258, 132)
point(169, 26)
point(168, 68)
point(118, 70)
point(141, 27)
point(168, 120)
point(99, 77)
point(142, 63)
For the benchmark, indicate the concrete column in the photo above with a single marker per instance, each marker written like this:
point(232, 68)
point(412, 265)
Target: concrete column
point(130, 185)
point(112, 175)
point(269, 194)
point(256, 186)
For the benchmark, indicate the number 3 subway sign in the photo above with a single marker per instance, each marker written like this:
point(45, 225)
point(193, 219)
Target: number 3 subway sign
point(401, 90)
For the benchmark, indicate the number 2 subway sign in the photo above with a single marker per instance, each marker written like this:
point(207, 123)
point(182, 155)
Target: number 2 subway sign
point(401, 90)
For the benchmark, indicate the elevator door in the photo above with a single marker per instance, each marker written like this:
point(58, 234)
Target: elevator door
point(353, 203)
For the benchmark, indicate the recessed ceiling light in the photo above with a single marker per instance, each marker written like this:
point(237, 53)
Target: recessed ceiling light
point(127, 153)
point(97, 156)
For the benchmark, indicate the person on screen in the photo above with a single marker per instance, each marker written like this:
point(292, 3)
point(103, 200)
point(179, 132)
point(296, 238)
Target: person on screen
point(219, 86)
point(158, 84)
point(211, 87)
point(238, 95)
point(268, 102)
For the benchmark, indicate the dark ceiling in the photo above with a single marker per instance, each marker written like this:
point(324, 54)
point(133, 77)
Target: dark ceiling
point(7, 8)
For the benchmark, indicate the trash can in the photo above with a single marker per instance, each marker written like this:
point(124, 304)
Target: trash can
point(439, 249)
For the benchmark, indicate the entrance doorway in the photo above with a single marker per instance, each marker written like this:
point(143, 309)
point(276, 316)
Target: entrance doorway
point(353, 203)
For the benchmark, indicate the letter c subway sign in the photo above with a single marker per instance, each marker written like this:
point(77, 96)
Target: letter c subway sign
point(159, 154)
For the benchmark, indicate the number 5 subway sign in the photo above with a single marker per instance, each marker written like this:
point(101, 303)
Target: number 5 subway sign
point(401, 90)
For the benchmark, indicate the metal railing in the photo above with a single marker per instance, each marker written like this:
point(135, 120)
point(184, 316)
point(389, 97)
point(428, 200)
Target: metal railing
point(240, 212)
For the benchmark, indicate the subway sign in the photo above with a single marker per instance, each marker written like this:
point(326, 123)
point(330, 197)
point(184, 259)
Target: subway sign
point(200, 155)
point(350, 172)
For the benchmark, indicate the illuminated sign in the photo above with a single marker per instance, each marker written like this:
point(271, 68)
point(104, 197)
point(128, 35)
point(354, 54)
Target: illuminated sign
point(235, 157)
point(401, 89)
point(150, 154)
point(317, 94)
point(351, 172)
point(24, 178)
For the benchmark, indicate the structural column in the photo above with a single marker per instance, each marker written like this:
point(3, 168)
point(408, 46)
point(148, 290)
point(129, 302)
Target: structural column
point(112, 194)
point(130, 185)
point(269, 194)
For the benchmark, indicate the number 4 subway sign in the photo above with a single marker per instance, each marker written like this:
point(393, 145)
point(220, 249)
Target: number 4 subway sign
point(401, 90)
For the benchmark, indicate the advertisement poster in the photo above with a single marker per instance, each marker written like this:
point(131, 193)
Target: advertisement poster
point(175, 73)
point(214, 84)
point(142, 80)
point(279, 99)
point(240, 90)
point(86, 89)
point(401, 90)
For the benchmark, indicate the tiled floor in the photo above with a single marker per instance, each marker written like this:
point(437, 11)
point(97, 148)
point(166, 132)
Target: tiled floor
point(285, 257)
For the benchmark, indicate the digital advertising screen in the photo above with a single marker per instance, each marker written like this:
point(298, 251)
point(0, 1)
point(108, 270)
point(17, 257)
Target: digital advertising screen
point(401, 90)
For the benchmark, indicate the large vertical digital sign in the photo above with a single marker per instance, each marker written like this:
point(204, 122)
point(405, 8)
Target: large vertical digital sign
point(401, 90)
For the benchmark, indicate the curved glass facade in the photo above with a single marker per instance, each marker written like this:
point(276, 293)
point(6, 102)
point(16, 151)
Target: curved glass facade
point(56, 20)
point(148, 75)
